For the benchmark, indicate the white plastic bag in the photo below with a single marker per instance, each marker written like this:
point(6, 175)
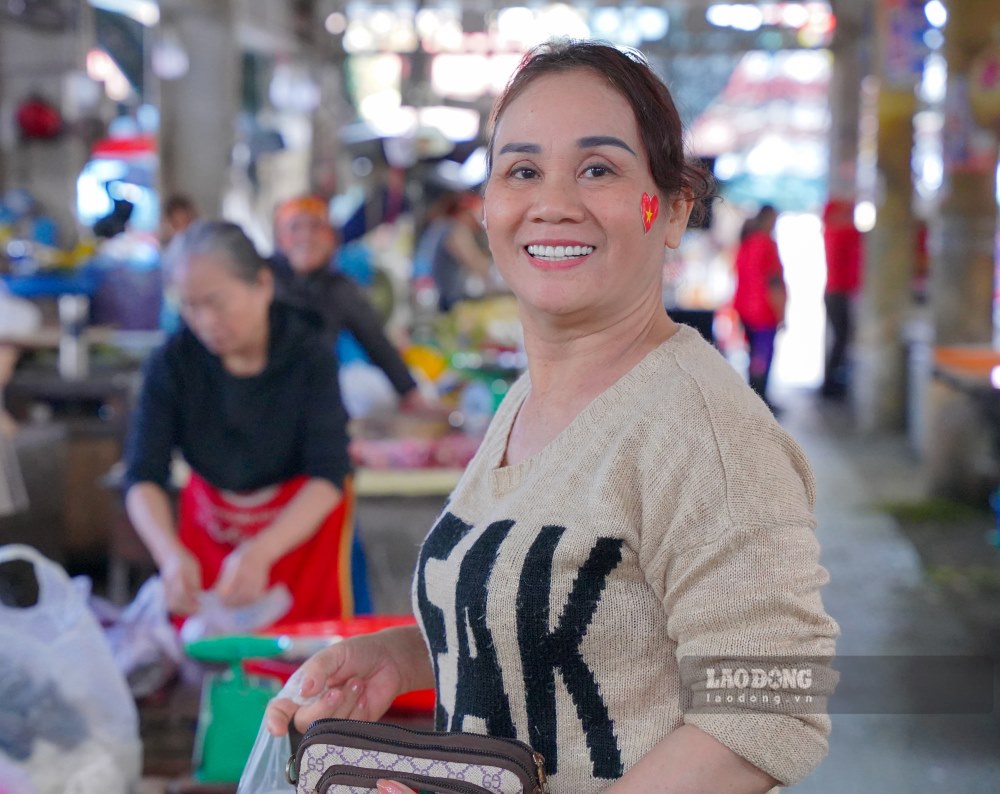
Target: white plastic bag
point(214, 619)
point(19, 317)
point(264, 772)
point(265, 769)
point(67, 718)
point(143, 641)
point(14, 780)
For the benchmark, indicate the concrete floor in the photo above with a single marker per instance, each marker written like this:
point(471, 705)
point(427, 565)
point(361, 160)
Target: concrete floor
point(886, 606)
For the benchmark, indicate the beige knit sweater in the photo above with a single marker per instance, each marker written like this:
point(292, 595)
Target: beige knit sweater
point(672, 518)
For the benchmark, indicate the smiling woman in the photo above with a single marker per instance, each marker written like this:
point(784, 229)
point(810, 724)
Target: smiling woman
point(634, 516)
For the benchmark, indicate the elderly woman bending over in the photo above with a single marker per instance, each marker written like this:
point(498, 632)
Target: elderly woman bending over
point(246, 391)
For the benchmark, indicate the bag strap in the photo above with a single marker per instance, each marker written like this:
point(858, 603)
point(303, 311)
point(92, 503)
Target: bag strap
point(50, 576)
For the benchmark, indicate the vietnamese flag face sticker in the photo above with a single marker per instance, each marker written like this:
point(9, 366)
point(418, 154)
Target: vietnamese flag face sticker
point(650, 208)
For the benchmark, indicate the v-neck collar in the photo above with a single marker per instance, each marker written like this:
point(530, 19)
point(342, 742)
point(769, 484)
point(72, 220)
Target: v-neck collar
point(504, 479)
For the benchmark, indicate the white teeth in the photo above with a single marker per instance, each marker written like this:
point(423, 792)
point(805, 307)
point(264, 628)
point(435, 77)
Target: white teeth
point(559, 251)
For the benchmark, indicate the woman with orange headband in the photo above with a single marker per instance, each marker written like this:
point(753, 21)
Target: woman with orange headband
point(306, 244)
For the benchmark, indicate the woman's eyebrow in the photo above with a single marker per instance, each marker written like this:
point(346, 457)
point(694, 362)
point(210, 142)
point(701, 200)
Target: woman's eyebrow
point(589, 142)
point(592, 141)
point(521, 148)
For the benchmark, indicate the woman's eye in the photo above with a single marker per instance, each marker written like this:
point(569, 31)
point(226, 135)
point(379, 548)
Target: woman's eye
point(596, 170)
point(523, 172)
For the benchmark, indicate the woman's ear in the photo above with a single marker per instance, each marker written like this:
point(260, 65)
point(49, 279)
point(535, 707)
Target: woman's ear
point(676, 219)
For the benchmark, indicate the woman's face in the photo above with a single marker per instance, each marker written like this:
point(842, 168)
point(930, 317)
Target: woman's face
point(563, 204)
point(768, 221)
point(307, 241)
point(227, 314)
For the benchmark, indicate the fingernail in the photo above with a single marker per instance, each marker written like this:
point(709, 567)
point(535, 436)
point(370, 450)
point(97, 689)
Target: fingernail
point(355, 686)
point(307, 686)
point(389, 787)
point(333, 696)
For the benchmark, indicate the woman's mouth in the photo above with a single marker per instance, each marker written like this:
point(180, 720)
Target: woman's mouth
point(558, 253)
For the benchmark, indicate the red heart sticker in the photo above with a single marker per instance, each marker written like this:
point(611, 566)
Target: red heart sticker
point(650, 208)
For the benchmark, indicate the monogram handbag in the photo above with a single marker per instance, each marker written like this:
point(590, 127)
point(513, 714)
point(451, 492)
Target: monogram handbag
point(349, 756)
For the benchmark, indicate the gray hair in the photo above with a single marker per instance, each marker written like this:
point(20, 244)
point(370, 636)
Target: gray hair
point(215, 237)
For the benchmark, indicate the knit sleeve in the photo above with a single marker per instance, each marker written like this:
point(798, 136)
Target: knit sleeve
point(740, 579)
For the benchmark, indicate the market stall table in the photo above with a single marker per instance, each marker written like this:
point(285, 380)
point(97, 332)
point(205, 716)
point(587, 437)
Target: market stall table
point(974, 371)
point(962, 454)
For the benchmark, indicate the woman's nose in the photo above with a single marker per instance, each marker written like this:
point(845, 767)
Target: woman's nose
point(202, 319)
point(557, 200)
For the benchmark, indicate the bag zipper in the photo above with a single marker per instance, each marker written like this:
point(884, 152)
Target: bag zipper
point(352, 774)
point(536, 775)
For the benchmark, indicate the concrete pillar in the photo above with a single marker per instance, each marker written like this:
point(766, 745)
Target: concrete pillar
point(198, 111)
point(324, 52)
point(3, 165)
point(851, 61)
point(962, 236)
point(33, 60)
point(880, 388)
point(960, 460)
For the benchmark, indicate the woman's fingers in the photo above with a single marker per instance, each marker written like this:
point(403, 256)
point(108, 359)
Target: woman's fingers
point(392, 787)
point(344, 681)
point(321, 671)
point(342, 701)
point(314, 691)
point(182, 581)
point(242, 579)
point(235, 593)
point(278, 715)
point(181, 598)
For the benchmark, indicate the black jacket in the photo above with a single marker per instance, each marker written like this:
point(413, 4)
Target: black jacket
point(242, 433)
point(342, 306)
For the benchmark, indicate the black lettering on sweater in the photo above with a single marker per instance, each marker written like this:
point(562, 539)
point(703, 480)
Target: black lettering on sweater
point(543, 652)
point(438, 545)
point(480, 690)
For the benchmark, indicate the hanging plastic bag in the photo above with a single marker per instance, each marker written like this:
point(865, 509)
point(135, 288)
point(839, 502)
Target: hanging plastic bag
point(264, 772)
point(67, 718)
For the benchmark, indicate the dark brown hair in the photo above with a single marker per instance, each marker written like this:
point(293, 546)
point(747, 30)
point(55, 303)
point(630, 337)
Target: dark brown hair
point(178, 201)
point(628, 72)
point(222, 238)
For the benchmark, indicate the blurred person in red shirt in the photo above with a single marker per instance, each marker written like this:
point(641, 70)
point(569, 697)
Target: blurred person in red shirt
point(760, 294)
point(843, 245)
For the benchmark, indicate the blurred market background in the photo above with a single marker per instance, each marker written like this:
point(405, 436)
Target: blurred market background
point(109, 107)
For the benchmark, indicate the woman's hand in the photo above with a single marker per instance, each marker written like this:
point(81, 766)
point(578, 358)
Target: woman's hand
point(357, 678)
point(415, 402)
point(181, 575)
point(244, 575)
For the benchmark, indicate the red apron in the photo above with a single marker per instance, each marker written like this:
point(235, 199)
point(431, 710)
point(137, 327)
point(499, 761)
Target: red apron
point(212, 522)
